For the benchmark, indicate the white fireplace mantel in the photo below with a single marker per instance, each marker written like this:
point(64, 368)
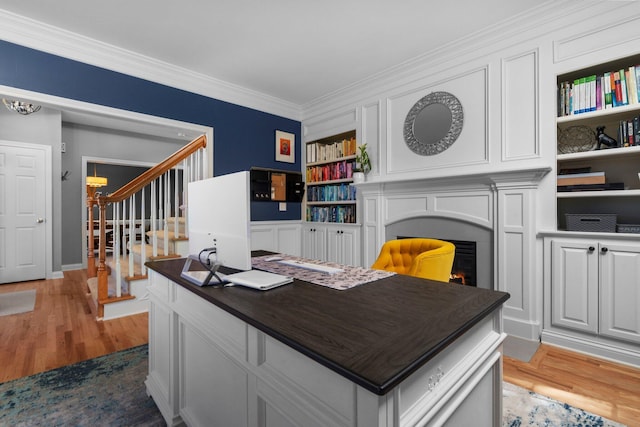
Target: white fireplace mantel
point(500, 201)
point(531, 176)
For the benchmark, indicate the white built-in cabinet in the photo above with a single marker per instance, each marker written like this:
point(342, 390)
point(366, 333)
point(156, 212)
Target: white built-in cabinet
point(339, 243)
point(277, 236)
point(596, 287)
point(594, 295)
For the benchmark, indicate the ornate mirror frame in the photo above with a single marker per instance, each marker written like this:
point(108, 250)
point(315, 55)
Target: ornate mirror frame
point(429, 148)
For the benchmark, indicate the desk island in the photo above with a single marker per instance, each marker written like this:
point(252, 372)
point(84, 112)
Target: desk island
point(400, 351)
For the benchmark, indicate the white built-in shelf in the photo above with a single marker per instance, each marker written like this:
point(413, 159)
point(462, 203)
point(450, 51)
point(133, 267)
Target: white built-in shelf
point(591, 194)
point(331, 182)
point(326, 162)
point(611, 114)
point(593, 154)
point(332, 202)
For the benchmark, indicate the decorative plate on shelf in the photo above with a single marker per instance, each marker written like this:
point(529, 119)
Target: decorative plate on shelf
point(576, 139)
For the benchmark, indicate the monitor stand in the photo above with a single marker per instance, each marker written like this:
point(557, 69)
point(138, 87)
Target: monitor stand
point(202, 277)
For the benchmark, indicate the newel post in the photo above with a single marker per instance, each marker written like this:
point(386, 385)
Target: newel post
point(103, 276)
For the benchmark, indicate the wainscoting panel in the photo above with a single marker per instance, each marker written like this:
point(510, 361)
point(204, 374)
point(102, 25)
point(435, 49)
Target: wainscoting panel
point(471, 146)
point(277, 236)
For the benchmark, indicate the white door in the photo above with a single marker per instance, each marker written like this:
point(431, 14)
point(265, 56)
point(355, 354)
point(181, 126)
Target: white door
point(22, 210)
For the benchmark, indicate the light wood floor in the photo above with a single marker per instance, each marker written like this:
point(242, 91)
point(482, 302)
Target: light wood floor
point(62, 330)
point(598, 386)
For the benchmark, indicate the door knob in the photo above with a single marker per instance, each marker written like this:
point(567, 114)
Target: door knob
point(591, 249)
point(604, 250)
point(40, 220)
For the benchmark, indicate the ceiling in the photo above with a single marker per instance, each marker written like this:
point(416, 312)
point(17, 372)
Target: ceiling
point(293, 50)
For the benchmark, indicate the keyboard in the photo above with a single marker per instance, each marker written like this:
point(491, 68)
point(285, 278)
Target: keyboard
point(311, 266)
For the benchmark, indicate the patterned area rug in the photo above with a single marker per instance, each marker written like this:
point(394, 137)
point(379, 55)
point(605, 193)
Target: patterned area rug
point(105, 391)
point(110, 391)
point(522, 407)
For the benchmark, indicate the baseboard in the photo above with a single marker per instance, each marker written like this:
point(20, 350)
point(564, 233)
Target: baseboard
point(609, 350)
point(68, 267)
point(521, 329)
point(57, 275)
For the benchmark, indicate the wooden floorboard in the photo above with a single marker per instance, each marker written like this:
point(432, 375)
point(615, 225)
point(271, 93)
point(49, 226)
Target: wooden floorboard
point(607, 389)
point(62, 330)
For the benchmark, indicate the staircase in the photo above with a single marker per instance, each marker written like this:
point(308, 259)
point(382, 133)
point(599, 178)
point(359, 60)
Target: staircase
point(148, 222)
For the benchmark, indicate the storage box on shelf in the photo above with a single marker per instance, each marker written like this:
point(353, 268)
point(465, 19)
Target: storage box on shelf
point(598, 157)
point(331, 197)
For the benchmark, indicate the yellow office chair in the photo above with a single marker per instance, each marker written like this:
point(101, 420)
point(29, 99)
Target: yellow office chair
point(426, 258)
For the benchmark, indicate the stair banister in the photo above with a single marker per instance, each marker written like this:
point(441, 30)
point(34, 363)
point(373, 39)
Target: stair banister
point(192, 152)
point(146, 177)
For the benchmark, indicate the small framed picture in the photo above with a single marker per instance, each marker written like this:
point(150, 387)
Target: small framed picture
point(285, 147)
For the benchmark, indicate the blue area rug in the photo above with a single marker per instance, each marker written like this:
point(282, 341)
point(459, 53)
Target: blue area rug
point(105, 391)
point(522, 407)
point(110, 391)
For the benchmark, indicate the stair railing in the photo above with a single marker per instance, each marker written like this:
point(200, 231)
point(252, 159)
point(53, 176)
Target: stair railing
point(161, 181)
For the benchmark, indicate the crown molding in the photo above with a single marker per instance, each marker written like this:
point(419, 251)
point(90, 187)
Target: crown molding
point(43, 37)
point(479, 44)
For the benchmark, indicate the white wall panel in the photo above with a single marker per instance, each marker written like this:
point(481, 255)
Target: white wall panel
point(597, 39)
point(322, 126)
point(520, 107)
point(472, 207)
point(512, 271)
point(404, 207)
point(371, 134)
point(471, 146)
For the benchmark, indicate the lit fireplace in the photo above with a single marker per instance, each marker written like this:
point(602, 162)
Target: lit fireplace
point(464, 270)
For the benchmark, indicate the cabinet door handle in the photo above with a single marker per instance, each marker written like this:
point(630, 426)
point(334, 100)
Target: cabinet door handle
point(591, 249)
point(604, 250)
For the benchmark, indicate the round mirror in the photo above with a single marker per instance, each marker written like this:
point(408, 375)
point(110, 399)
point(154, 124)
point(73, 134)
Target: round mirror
point(433, 124)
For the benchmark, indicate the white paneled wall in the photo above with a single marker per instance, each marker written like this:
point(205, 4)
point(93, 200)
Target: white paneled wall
point(505, 81)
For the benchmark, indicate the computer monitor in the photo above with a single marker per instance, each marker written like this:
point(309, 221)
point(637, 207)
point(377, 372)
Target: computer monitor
point(219, 217)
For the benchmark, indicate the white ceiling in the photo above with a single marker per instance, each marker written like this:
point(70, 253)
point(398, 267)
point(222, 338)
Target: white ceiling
point(294, 50)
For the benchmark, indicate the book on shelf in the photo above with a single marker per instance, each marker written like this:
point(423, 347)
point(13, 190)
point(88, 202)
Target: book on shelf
point(591, 187)
point(629, 132)
point(597, 92)
point(581, 178)
point(329, 151)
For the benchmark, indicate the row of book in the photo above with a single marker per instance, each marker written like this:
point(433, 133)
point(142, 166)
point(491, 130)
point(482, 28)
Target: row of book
point(323, 152)
point(340, 214)
point(331, 171)
point(629, 132)
point(598, 92)
point(331, 193)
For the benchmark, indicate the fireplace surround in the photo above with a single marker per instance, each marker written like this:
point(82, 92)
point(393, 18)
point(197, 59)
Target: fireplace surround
point(474, 245)
point(496, 210)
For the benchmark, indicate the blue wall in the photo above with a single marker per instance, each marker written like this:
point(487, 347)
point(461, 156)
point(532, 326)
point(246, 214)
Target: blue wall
point(243, 137)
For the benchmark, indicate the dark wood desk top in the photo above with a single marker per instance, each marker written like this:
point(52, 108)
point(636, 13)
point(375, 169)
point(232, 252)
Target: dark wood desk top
point(375, 334)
